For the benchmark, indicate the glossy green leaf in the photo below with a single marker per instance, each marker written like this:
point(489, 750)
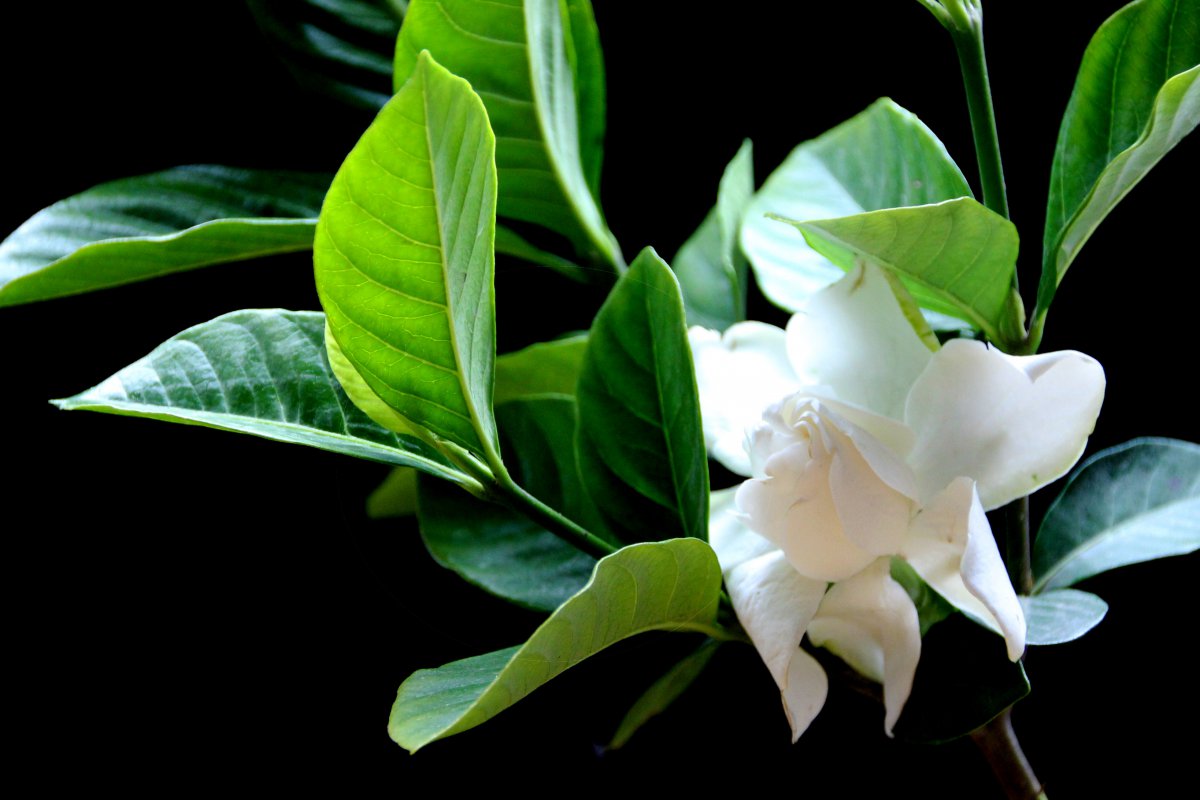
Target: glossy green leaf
point(1131, 503)
point(540, 369)
point(509, 243)
point(710, 265)
point(963, 680)
point(342, 48)
point(137, 228)
point(535, 64)
point(955, 257)
point(396, 496)
point(672, 585)
point(1136, 96)
point(1061, 615)
point(882, 158)
point(404, 259)
point(932, 608)
point(500, 550)
point(640, 445)
point(258, 372)
point(665, 691)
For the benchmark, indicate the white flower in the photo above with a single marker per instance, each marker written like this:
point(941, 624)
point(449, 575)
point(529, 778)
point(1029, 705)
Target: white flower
point(871, 446)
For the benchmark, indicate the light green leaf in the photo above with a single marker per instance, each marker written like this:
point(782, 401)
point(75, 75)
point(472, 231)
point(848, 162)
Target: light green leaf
point(710, 265)
point(1061, 615)
point(672, 585)
point(1137, 95)
point(258, 372)
point(404, 259)
point(396, 496)
point(665, 691)
point(535, 64)
point(509, 243)
point(540, 369)
point(639, 444)
point(955, 257)
point(882, 158)
point(1131, 503)
point(499, 550)
point(137, 228)
point(342, 48)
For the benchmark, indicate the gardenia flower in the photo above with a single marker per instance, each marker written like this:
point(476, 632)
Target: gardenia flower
point(864, 442)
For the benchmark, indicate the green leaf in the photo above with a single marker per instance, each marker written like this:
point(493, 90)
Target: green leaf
point(540, 369)
point(1136, 96)
point(1061, 615)
point(932, 608)
point(671, 585)
point(342, 48)
point(963, 680)
point(137, 228)
point(1131, 503)
point(639, 444)
point(535, 64)
point(955, 257)
point(882, 158)
point(710, 265)
point(665, 691)
point(258, 372)
point(404, 259)
point(396, 496)
point(502, 551)
point(509, 243)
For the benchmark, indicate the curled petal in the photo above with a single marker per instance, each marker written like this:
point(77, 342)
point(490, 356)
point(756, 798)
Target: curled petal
point(738, 374)
point(870, 623)
point(855, 338)
point(1012, 423)
point(952, 548)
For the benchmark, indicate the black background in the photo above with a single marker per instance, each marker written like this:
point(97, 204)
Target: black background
point(192, 608)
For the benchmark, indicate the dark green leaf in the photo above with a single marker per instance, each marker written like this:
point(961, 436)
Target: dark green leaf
point(710, 265)
point(502, 551)
point(342, 48)
point(640, 446)
point(671, 585)
point(1131, 503)
point(258, 372)
point(882, 158)
point(542, 368)
point(396, 496)
point(137, 228)
point(955, 257)
point(404, 259)
point(963, 680)
point(509, 243)
point(1061, 615)
point(663, 692)
point(528, 61)
point(1136, 96)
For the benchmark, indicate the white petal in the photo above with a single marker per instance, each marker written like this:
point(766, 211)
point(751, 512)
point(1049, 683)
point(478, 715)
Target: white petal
point(805, 692)
point(728, 535)
point(854, 338)
point(952, 548)
point(870, 623)
point(1013, 424)
point(738, 374)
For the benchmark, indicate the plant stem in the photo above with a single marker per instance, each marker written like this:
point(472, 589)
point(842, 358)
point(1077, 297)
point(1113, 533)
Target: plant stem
point(998, 742)
point(1016, 544)
point(523, 502)
point(968, 40)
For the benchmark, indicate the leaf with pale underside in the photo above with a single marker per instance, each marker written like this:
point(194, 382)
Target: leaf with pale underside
point(1061, 615)
point(138, 228)
point(342, 48)
point(1136, 96)
point(954, 257)
point(882, 158)
point(499, 550)
point(537, 66)
point(672, 585)
point(261, 372)
point(640, 445)
point(404, 259)
point(1131, 503)
point(710, 265)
